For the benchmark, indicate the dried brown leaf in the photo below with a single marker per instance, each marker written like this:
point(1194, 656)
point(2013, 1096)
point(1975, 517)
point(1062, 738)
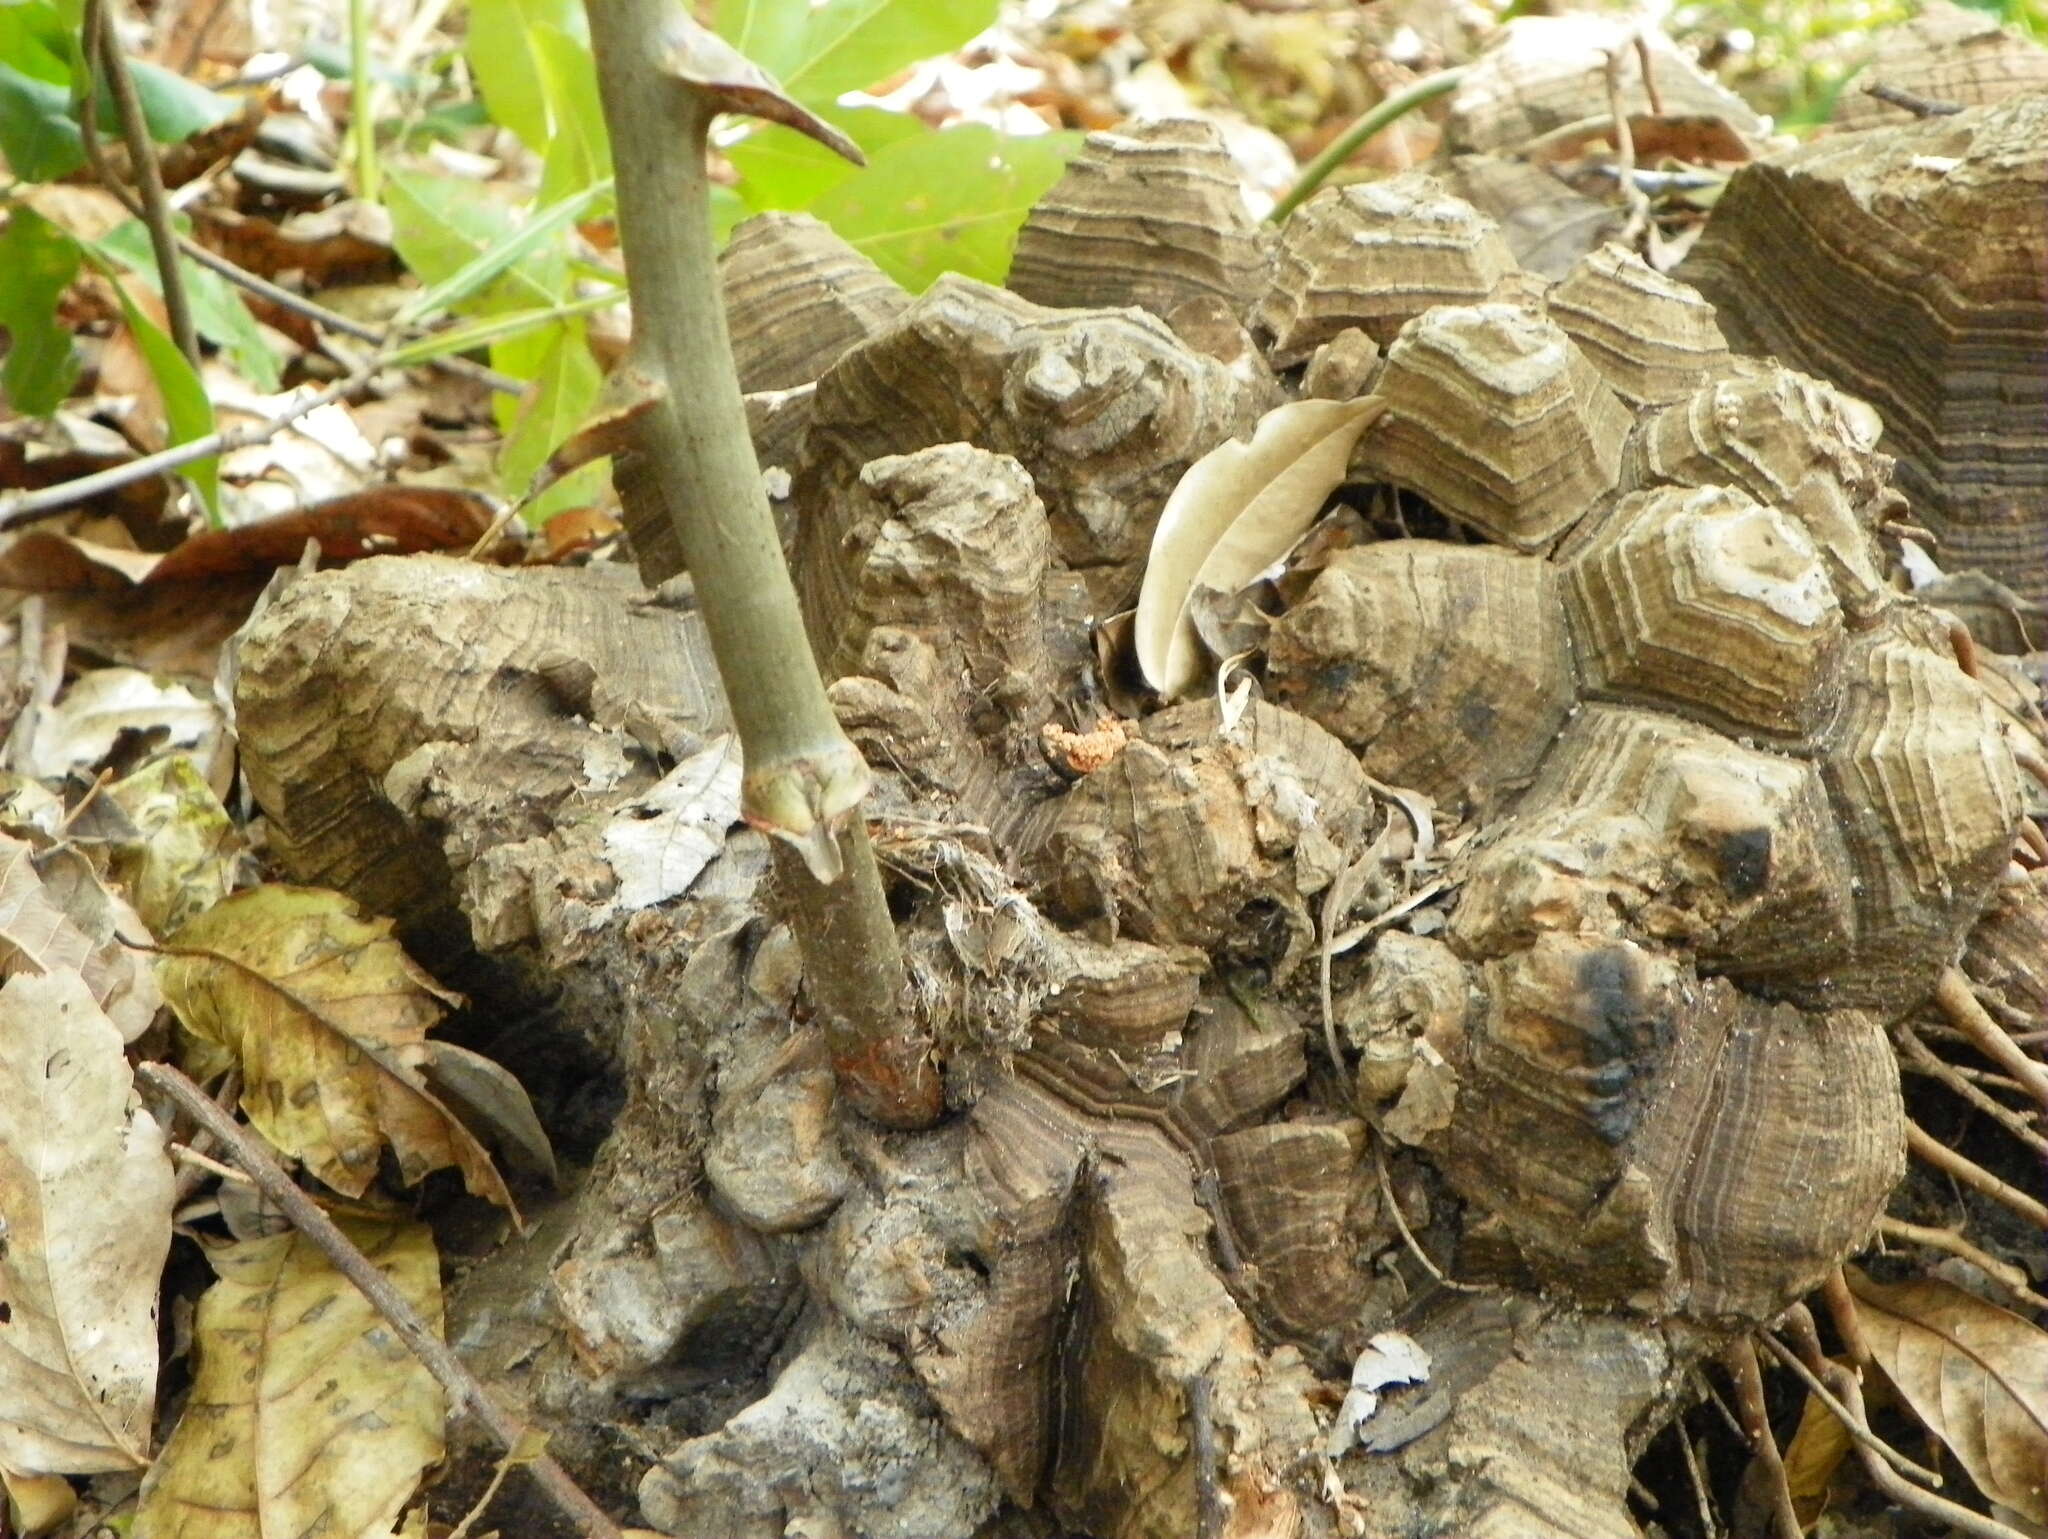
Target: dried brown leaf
point(327, 1017)
point(55, 918)
point(309, 1415)
point(1239, 508)
point(1975, 1374)
point(85, 1201)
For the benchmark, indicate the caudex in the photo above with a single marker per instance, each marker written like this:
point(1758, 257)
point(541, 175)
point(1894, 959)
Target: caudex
point(675, 403)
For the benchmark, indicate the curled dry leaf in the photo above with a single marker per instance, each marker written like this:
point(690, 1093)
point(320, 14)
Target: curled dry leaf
point(57, 916)
point(309, 1415)
point(181, 858)
point(1977, 1375)
point(494, 1101)
point(85, 1209)
point(1239, 509)
point(327, 1018)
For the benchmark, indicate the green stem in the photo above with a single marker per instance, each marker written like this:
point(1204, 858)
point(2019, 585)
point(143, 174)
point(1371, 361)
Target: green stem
point(150, 205)
point(1345, 145)
point(362, 123)
point(804, 779)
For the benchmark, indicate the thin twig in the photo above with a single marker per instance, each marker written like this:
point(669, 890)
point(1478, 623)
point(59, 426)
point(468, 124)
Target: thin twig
point(1902, 1491)
point(1710, 1523)
point(1625, 156)
point(2011, 1278)
point(104, 59)
point(1958, 1002)
point(1923, 1143)
point(1209, 1513)
point(187, 1155)
point(1924, 1060)
point(1400, 1219)
point(1841, 1413)
point(1643, 62)
point(1341, 148)
point(462, 1386)
point(1919, 106)
point(1739, 1358)
point(17, 507)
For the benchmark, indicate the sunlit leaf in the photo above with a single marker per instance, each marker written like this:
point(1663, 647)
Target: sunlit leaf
point(182, 859)
point(560, 395)
point(1815, 1452)
point(782, 169)
point(499, 44)
point(309, 1415)
point(945, 202)
point(326, 1017)
point(442, 224)
point(511, 247)
point(770, 32)
point(1239, 508)
point(851, 44)
point(579, 152)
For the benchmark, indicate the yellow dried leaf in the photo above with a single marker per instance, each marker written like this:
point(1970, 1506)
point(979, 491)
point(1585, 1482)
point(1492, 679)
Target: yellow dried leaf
point(1816, 1451)
point(85, 1198)
point(1239, 509)
point(183, 859)
point(1975, 1374)
point(56, 916)
point(327, 1017)
point(309, 1415)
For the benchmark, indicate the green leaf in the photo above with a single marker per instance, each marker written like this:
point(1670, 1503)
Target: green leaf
point(493, 329)
point(579, 488)
point(850, 44)
point(579, 152)
point(483, 269)
point(39, 261)
point(35, 40)
point(187, 411)
point(565, 384)
point(946, 202)
point(781, 168)
point(38, 139)
point(173, 106)
point(770, 32)
point(217, 307)
point(501, 51)
point(728, 208)
point(441, 224)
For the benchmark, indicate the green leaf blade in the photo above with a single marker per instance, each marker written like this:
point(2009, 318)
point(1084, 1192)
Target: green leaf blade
point(187, 411)
point(851, 44)
point(946, 202)
point(218, 309)
point(442, 225)
point(40, 261)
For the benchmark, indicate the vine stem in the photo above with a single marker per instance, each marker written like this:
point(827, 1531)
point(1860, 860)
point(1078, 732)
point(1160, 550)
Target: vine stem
point(1345, 145)
point(804, 780)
